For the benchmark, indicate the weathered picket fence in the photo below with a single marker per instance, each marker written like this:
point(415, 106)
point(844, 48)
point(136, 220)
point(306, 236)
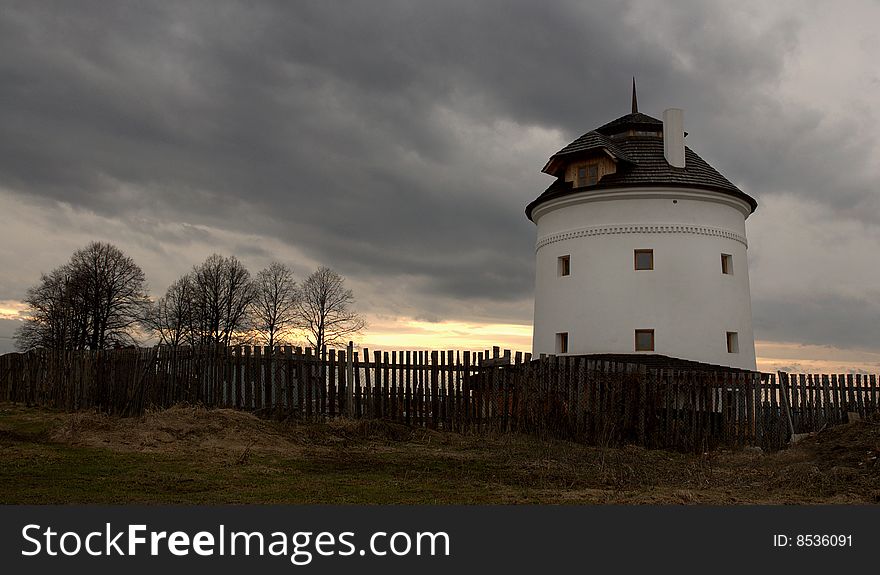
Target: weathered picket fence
point(598, 401)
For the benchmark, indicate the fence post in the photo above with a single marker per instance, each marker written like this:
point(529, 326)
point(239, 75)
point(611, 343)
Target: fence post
point(349, 380)
point(783, 386)
point(435, 374)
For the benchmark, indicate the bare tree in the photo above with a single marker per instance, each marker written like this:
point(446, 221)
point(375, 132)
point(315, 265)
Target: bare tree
point(95, 301)
point(222, 293)
point(324, 309)
point(274, 304)
point(170, 317)
point(112, 288)
point(52, 318)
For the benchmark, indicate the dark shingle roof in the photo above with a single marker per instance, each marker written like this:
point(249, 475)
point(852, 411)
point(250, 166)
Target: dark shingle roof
point(651, 167)
point(591, 141)
point(645, 164)
point(631, 121)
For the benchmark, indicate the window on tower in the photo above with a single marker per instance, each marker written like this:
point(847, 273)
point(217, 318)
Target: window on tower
point(644, 340)
point(563, 265)
point(732, 342)
point(562, 342)
point(727, 264)
point(644, 259)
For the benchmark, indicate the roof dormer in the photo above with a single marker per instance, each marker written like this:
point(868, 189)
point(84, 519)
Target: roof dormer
point(591, 145)
point(588, 170)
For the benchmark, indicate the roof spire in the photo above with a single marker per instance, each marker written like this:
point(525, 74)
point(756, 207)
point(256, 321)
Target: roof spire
point(635, 101)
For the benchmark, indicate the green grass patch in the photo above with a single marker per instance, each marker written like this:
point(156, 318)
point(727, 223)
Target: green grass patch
point(193, 456)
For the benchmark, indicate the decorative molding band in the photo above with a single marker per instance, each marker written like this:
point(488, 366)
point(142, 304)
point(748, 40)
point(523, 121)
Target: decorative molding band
point(640, 229)
point(638, 193)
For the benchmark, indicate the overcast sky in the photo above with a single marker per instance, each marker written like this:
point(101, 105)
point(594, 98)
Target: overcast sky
point(399, 142)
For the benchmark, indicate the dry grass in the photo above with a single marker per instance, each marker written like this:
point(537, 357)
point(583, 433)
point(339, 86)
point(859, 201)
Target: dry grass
point(193, 455)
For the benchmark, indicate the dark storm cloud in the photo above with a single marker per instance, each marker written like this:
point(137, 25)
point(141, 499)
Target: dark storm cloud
point(323, 124)
point(372, 136)
point(820, 319)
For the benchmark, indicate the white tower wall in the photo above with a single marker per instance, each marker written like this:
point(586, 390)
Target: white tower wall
point(686, 299)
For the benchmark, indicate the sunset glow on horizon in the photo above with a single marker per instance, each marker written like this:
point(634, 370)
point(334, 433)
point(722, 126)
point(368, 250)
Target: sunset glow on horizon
point(11, 309)
point(403, 333)
point(408, 333)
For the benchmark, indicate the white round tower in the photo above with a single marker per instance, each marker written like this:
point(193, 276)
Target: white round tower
point(641, 249)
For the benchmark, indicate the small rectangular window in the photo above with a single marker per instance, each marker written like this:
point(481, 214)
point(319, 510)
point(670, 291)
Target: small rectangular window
point(587, 175)
point(727, 264)
point(644, 340)
point(563, 265)
point(732, 342)
point(644, 259)
point(562, 342)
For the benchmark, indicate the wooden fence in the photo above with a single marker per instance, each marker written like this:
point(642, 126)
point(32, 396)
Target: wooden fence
point(596, 401)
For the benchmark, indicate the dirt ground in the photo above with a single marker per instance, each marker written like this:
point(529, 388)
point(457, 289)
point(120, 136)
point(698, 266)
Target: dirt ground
point(194, 455)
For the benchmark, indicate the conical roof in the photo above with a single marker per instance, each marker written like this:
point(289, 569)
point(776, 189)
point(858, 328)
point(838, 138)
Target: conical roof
point(635, 142)
point(634, 121)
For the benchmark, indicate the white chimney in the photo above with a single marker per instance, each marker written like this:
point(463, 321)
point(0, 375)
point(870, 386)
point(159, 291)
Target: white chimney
point(673, 137)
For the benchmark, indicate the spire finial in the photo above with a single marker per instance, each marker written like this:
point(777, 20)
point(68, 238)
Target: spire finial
point(635, 101)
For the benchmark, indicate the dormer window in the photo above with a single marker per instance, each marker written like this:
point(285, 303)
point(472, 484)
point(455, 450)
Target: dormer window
point(587, 175)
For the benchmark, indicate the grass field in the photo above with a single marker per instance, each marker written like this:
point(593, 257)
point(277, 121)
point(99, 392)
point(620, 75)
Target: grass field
point(189, 455)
